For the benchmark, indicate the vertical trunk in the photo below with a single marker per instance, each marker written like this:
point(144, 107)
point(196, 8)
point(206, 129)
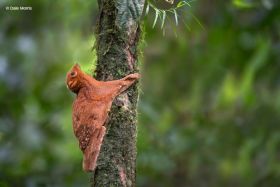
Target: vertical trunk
point(117, 36)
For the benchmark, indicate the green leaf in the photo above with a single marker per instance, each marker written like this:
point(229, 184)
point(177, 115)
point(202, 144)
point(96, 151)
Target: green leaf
point(242, 4)
point(180, 4)
point(197, 21)
point(187, 3)
point(156, 17)
point(183, 3)
point(163, 18)
point(147, 9)
point(176, 16)
point(172, 26)
point(187, 26)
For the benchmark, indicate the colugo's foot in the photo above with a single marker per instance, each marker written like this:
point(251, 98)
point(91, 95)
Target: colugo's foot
point(133, 76)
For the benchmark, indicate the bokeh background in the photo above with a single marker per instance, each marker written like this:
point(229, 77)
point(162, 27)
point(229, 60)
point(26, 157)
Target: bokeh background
point(209, 110)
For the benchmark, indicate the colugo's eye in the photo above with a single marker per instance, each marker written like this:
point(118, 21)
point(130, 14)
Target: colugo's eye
point(73, 74)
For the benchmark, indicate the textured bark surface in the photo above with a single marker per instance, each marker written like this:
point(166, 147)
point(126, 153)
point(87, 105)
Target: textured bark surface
point(117, 36)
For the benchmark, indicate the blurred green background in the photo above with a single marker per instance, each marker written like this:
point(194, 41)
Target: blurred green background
point(209, 111)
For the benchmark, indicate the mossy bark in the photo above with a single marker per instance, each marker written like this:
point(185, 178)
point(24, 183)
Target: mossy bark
point(117, 36)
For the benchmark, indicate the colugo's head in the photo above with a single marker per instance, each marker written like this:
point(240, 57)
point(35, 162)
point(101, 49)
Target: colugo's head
point(74, 78)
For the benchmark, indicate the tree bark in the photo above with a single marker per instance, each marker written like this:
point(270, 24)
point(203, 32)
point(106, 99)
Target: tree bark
point(117, 36)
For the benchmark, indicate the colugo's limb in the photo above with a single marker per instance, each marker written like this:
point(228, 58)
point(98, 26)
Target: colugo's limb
point(122, 84)
point(115, 87)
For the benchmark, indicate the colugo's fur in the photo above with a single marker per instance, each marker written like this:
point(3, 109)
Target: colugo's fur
point(90, 109)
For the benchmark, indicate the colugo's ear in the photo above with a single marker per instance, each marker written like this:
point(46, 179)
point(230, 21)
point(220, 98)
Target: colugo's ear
point(77, 66)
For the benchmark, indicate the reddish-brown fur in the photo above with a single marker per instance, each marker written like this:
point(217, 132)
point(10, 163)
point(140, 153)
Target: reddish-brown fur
point(90, 109)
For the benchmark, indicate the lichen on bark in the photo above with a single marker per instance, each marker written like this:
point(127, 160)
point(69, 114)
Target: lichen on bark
point(116, 47)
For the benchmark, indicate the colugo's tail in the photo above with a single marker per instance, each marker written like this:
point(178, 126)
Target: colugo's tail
point(92, 152)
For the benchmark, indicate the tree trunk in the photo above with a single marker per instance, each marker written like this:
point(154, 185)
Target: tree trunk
point(117, 36)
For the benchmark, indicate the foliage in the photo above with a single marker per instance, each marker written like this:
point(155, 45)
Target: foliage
point(208, 115)
point(37, 146)
point(165, 10)
point(210, 108)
